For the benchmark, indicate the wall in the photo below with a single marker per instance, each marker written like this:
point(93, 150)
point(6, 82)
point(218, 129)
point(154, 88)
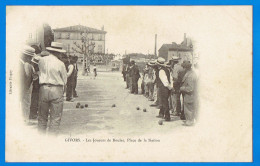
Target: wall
point(184, 55)
point(62, 37)
point(163, 53)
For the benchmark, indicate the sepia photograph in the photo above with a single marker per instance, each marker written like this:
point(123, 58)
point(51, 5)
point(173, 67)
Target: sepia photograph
point(128, 84)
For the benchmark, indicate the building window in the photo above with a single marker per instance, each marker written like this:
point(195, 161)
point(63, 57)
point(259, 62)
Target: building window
point(58, 36)
point(68, 36)
point(30, 35)
point(99, 37)
point(100, 48)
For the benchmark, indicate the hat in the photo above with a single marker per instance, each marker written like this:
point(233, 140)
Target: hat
point(175, 58)
point(45, 53)
point(36, 59)
point(56, 46)
point(152, 63)
point(186, 64)
point(160, 61)
point(27, 50)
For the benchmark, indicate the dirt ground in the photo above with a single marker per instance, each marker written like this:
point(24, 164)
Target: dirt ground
point(101, 94)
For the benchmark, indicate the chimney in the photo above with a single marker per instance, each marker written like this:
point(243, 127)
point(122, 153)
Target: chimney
point(155, 48)
point(185, 39)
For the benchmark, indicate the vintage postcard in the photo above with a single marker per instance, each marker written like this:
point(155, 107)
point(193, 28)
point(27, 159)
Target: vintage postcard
point(128, 84)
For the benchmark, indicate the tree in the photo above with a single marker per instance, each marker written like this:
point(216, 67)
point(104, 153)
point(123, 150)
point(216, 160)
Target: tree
point(48, 35)
point(85, 47)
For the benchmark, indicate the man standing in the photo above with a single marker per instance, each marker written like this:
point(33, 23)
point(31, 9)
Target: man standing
point(127, 76)
point(26, 77)
point(189, 90)
point(155, 94)
point(151, 76)
point(135, 75)
point(177, 78)
point(75, 76)
point(70, 79)
point(35, 89)
point(52, 78)
point(164, 87)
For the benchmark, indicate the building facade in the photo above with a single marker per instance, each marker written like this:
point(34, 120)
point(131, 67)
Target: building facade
point(36, 37)
point(68, 35)
point(183, 50)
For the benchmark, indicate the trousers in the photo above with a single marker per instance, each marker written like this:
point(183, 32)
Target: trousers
point(74, 85)
point(163, 94)
point(127, 80)
point(34, 100)
point(69, 89)
point(134, 85)
point(50, 99)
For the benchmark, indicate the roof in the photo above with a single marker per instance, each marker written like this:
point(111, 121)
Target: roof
point(78, 28)
point(168, 46)
point(174, 46)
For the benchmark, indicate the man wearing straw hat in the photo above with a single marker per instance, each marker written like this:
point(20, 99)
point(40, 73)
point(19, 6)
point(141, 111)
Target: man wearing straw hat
point(164, 88)
point(152, 77)
point(35, 88)
point(52, 78)
point(26, 77)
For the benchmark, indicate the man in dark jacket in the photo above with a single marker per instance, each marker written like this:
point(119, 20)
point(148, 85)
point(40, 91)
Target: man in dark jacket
point(135, 75)
point(36, 86)
point(75, 76)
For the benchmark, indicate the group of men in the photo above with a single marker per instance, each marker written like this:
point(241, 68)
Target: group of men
point(173, 88)
point(45, 77)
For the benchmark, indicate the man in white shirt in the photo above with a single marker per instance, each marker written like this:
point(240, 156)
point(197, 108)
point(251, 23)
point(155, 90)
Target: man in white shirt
point(52, 79)
point(164, 88)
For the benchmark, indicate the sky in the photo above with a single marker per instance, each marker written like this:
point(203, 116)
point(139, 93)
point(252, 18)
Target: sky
point(132, 28)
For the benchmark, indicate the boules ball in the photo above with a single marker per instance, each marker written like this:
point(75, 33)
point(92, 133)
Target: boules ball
point(144, 110)
point(138, 108)
point(86, 105)
point(160, 122)
point(113, 105)
point(82, 106)
point(77, 106)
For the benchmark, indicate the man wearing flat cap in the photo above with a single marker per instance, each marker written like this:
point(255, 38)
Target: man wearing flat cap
point(164, 88)
point(52, 78)
point(189, 91)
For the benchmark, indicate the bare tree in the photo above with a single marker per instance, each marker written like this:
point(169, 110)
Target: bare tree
point(85, 47)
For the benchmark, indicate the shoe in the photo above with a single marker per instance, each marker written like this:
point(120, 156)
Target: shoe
point(167, 119)
point(32, 121)
point(153, 105)
point(182, 117)
point(159, 116)
point(71, 100)
point(188, 123)
point(150, 99)
point(175, 114)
